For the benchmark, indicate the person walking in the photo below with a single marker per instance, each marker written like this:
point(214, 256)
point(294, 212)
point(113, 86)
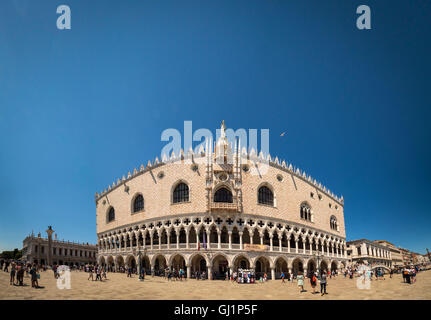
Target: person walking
point(90, 274)
point(300, 280)
point(142, 273)
point(413, 275)
point(313, 282)
point(99, 273)
point(20, 275)
point(34, 276)
point(12, 273)
point(323, 279)
point(282, 277)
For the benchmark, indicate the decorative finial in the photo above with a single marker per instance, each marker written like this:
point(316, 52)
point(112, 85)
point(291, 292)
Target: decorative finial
point(222, 129)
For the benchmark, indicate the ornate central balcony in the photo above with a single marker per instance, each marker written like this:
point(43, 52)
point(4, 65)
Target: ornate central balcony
point(224, 206)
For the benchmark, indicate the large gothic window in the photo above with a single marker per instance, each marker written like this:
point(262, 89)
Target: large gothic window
point(305, 212)
point(223, 195)
point(333, 223)
point(265, 196)
point(111, 214)
point(138, 204)
point(181, 193)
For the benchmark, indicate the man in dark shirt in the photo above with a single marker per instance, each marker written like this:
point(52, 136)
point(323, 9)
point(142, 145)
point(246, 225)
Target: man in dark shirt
point(323, 283)
point(33, 274)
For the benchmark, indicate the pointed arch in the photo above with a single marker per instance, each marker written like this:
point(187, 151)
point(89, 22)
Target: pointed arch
point(180, 192)
point(265, 194)
point(137, 204)
point(110, 214)
point(305, 211)
point(223, 194)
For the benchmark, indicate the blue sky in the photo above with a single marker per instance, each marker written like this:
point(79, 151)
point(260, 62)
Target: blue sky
point(81, 107)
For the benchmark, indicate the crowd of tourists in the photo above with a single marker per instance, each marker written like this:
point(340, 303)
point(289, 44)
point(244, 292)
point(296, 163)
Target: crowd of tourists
point(313, 277)
point(97, 271)
point(174, 274)
point(409, 274)
point(367, 272)
point(18, 271)
point(245, 276)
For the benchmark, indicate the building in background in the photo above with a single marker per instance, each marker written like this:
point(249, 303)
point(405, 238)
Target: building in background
point(421, 259)
point(407, 257)
point(48, 251)
point(396, 256)
point(369, 252)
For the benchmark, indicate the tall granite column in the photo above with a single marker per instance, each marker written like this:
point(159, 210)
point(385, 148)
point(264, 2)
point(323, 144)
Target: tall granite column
point(49, 253)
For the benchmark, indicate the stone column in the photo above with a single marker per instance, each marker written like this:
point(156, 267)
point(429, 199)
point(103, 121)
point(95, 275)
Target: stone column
point(251, 237)
point(197, 239)
point(210, 273)
point(327, 249)
point(151, 241)
point(304, 244)
point(230, 240)
point(178, 240)
point(271, 247)
point(240, 240)
point(208, 240)
point(296, 246)
point(219, 239)
point(189, 272)
point(49, 231)
point(311, 247)
point(168, 239)
point(261, 239)
point(187, 239)
point(272, 273)
point(288, 245)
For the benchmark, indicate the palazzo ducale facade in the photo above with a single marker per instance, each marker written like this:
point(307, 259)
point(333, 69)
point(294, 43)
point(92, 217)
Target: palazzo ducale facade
point(217, 210)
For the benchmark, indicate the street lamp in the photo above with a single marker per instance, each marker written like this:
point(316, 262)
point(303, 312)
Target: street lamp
point(139, 264)
point(141, 276)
